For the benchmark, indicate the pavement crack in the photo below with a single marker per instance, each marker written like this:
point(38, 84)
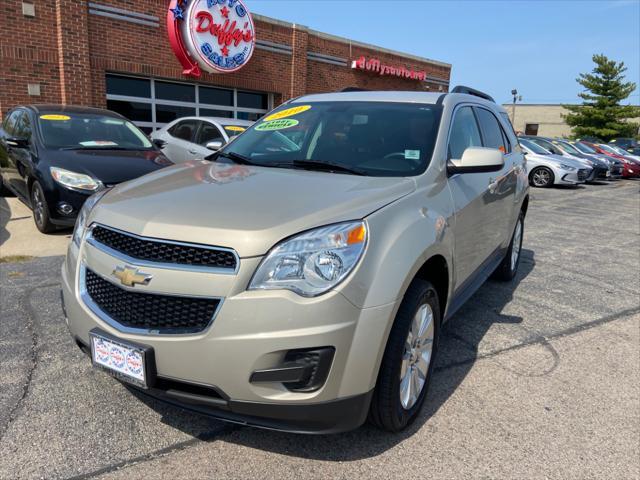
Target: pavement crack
point(226, 429)
point(33, 359)
point(540, 340)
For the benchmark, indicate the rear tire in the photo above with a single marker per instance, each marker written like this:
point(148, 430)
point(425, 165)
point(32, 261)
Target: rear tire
point(541, 177)
point(395, 405)
point(508, 268)
point(40, 209)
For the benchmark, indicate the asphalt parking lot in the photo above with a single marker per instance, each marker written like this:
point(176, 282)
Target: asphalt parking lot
point(536, 379)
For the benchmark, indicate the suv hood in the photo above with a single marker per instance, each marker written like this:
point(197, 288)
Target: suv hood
point(246, 208)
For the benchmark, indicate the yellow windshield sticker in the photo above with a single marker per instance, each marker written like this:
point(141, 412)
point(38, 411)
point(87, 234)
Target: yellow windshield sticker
point(272, 125)
point(59, 118)
point(233, 128)
point(289, 112)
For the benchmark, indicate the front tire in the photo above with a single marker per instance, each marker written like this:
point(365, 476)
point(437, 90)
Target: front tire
point(405, 372)
point(40, 209)
point(508, 268)
point(541, 177)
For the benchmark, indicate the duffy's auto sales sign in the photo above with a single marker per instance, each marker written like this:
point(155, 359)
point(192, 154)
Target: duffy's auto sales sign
point(217, 36)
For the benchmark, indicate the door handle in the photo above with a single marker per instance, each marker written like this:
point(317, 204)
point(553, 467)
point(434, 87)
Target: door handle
point(193, 152)
point(493, 184)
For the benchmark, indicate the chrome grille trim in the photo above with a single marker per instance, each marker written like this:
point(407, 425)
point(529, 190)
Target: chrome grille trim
point(153, 264)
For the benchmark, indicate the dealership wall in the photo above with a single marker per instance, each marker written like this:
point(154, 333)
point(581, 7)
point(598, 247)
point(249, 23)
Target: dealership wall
point(65, 50)
point(548, 117)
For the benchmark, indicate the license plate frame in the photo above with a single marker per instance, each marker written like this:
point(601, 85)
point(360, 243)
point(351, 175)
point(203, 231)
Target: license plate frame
point(126, 353)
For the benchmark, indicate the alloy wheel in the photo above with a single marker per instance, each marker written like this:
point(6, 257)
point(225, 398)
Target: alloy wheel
point(541, 178)
point(38, 205)
point(416, 357)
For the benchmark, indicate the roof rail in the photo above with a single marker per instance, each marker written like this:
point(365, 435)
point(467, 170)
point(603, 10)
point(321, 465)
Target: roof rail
point(472, 91)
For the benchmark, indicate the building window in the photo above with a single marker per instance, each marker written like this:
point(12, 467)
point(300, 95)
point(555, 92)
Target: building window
point(531, 129)
point(151, 103)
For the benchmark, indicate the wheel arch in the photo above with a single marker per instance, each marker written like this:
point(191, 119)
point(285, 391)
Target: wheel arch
point(436, 271)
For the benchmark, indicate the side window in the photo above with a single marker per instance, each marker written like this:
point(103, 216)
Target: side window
point(24, 125)
point(9, 125)
point(208, 133)
point(184, 130)
point(491, 131)
point(464, 133)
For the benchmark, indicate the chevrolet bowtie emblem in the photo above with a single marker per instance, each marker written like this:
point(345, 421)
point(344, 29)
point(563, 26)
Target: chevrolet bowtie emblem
point(131, 277)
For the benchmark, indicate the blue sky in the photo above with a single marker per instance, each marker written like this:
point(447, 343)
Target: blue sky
point(536, 46)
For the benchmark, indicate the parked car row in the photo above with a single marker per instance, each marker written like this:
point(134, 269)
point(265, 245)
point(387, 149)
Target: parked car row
point(54, 157)
point(555, 161)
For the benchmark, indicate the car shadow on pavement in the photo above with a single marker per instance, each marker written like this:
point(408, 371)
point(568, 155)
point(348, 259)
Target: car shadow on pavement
point(5, 216)
point(458, 352)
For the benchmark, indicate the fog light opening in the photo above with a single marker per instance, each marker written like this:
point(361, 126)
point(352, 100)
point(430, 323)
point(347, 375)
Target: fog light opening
point(302, 370)
point(65, 208)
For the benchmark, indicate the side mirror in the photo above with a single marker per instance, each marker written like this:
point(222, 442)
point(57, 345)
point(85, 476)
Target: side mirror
point(477, 160)
point(159, 143)
point(215, 145)
point(17, 142)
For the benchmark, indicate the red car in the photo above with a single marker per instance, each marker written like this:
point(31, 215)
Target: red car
point(631, 167)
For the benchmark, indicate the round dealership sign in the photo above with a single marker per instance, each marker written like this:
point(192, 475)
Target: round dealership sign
point(217, 36)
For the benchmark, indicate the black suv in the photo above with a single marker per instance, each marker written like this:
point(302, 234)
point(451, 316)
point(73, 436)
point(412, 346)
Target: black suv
point(54, 157)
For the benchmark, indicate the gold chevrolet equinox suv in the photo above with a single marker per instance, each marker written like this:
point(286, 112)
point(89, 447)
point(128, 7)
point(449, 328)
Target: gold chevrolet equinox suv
point(299, 277)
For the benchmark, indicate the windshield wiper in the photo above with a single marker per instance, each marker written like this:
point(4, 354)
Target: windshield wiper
point(234, 157)
point(326, 167)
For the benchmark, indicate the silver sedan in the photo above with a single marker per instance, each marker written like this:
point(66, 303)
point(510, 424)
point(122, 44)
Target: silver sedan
point(545, 169)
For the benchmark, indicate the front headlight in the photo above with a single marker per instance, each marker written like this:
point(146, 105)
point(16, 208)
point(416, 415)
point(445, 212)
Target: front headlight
point(81, 221)
point(74, 181)
point(312, 262)
point(567, 167)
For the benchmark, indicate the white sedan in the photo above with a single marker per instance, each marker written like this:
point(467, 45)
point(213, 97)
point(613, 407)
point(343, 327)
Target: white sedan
point(194, 138)
point(545, 169)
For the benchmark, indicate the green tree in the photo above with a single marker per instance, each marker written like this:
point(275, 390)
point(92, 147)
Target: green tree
point(601, 114)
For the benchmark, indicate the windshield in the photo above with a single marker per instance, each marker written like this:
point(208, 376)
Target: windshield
point(608, 148)
point(618, 150)
point(368, 138)
point(584, 148)
point(534, 147)
point(568, 147)
point(90, 131)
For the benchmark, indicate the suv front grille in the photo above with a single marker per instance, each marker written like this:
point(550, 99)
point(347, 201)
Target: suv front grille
point(164, 252)
point(149, 311)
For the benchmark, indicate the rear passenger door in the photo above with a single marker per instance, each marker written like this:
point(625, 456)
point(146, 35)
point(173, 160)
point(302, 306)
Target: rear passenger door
point(476, 200)
point(181, 146)
point(504, 182)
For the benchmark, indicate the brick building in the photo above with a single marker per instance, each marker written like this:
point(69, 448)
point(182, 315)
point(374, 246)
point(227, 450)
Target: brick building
point(115, 54)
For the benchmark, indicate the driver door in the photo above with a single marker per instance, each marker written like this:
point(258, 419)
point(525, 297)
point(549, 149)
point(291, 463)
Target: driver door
point(478, 210)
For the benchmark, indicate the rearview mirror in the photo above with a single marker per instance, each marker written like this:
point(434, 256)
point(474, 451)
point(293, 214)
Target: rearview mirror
point(16, 142)
point(159, 143)
point(215, 145)
point(477, 160)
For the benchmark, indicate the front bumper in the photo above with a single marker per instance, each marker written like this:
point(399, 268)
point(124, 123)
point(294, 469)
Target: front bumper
point(251, 331)
point(59, 196)
point(573, 177)
point(631, 171)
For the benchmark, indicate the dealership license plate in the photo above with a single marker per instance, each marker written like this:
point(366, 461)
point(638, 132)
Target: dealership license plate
point(119, 359)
